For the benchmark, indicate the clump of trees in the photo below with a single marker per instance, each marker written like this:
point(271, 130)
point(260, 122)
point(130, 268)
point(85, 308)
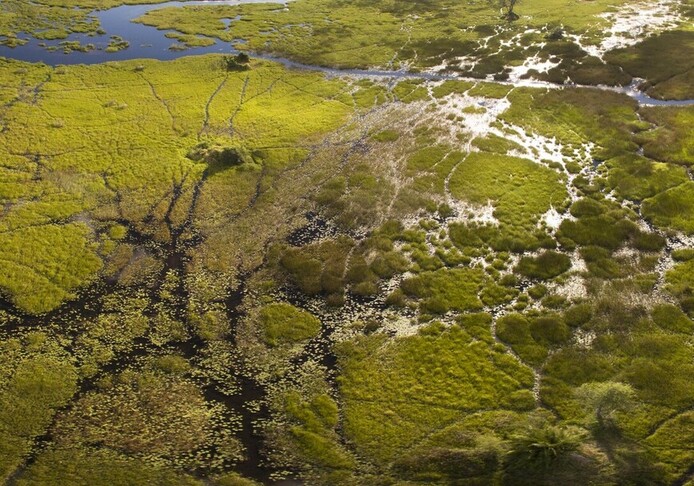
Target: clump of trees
point(239, 62)
point(218, 157)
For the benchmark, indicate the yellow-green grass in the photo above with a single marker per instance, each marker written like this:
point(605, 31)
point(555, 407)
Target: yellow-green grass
point(34, 388)
point(86, 145)
point(520, 190)
point(397, 393)
point(284, 323)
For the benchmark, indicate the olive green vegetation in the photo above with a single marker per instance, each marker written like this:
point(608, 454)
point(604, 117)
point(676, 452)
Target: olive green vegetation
point(669, 139)
point(313, 432)
point(668, 72)
point(531, 337)
point(546, 265)
point(672, 208)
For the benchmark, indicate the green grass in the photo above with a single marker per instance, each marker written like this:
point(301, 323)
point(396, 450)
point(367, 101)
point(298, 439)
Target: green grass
point(398, 394)
point(672, 208)
point(668, 71)
point(443, 290)
point(32, 393)
point(84, 467)
point(670, 139)
point(545, 266)
point(530, 337)
point(638, 178)
point(519, 190)
point(286, 324)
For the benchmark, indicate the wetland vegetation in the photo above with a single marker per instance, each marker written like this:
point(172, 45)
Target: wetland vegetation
point(225, 270)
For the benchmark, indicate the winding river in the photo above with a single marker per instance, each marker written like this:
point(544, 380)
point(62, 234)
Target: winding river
point(149, 42)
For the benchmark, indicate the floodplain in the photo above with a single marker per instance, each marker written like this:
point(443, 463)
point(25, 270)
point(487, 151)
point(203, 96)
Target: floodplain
point(463, 254)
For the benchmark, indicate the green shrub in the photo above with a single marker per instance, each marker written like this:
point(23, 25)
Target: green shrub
point(547, 265)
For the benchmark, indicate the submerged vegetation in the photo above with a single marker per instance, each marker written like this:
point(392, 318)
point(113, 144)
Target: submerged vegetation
point(221, 270)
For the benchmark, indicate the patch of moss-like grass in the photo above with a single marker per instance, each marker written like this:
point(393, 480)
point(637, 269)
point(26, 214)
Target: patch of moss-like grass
point(396, 395)
point(519, 189)
point(411, 91)
point(530, 337)
point(318, 268)
point(671, 318)
point(667, 70)
point(449, 87)
point(680, 282)
point(547, 265)
point(597, 224)
point(284, 323)
point(447, 289)
point(670, 443)
point(672, 208)
point(638, 178)
point(313, 431)
point(386, 136)
point(489, 90)
point(44, 265)
point(670, 138)
point(96, 467)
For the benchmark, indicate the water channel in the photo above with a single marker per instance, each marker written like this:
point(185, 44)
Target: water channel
point(149, 42)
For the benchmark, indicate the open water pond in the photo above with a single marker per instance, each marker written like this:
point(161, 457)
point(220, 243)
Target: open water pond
point(145, 41)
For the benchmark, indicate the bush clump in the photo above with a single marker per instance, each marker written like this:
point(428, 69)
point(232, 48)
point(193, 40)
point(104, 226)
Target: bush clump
point(239, 62)
point(547, 265)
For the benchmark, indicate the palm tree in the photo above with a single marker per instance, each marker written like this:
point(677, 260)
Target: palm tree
point(539, 446)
